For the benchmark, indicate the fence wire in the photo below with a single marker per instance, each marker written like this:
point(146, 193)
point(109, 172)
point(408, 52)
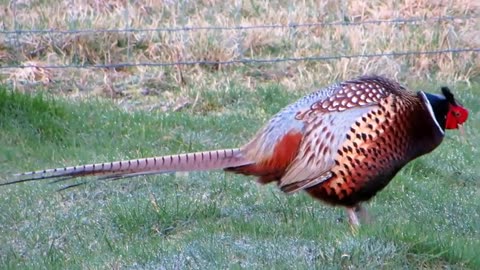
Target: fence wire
point(415, 20)
point(251, 61)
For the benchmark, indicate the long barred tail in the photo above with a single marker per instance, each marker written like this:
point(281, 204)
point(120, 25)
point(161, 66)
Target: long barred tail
point(207, 160)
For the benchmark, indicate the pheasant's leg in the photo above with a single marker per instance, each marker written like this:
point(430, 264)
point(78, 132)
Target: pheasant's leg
point(352, 217)
point(362, 213)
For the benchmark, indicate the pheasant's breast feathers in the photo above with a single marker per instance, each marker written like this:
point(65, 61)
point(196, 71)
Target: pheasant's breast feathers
point(378, 144)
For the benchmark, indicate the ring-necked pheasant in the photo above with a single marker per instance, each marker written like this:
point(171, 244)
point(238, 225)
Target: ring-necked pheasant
point(341, 144)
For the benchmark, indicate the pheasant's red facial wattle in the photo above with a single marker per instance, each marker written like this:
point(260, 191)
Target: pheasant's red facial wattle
point(456, 116)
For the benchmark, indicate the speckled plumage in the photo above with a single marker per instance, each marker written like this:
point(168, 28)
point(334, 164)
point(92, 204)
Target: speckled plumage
point(356, 135)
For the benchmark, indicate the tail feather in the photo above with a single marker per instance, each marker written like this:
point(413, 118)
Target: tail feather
point(207, 160)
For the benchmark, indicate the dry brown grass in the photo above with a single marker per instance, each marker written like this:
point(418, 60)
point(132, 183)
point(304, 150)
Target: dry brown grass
point(158, 47)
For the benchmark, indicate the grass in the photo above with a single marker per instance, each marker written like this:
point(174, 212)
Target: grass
point(428, 217)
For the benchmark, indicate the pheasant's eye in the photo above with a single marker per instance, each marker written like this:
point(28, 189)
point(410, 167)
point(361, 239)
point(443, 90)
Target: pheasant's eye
point(456, 113)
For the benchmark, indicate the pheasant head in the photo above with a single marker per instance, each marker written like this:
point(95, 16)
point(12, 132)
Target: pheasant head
point(449, 113)
point(457, 114)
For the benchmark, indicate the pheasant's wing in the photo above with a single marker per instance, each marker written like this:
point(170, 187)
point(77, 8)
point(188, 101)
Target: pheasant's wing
point(326, 124)
point(323, 136)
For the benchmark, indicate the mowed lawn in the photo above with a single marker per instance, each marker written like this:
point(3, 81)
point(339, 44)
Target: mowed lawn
point(428, 217)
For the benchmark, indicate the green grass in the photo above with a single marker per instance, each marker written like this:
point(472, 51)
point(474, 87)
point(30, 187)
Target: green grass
point(428, 217)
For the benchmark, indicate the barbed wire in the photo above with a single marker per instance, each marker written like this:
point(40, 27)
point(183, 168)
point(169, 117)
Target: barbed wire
point(413, 20)
point(248, 60)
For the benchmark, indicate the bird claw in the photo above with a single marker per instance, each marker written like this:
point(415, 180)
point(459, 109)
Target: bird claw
point(353, 219)
point(355, 215)
point(354, 229)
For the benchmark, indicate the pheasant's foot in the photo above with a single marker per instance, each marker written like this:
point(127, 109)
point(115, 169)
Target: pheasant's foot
point(353, 219)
